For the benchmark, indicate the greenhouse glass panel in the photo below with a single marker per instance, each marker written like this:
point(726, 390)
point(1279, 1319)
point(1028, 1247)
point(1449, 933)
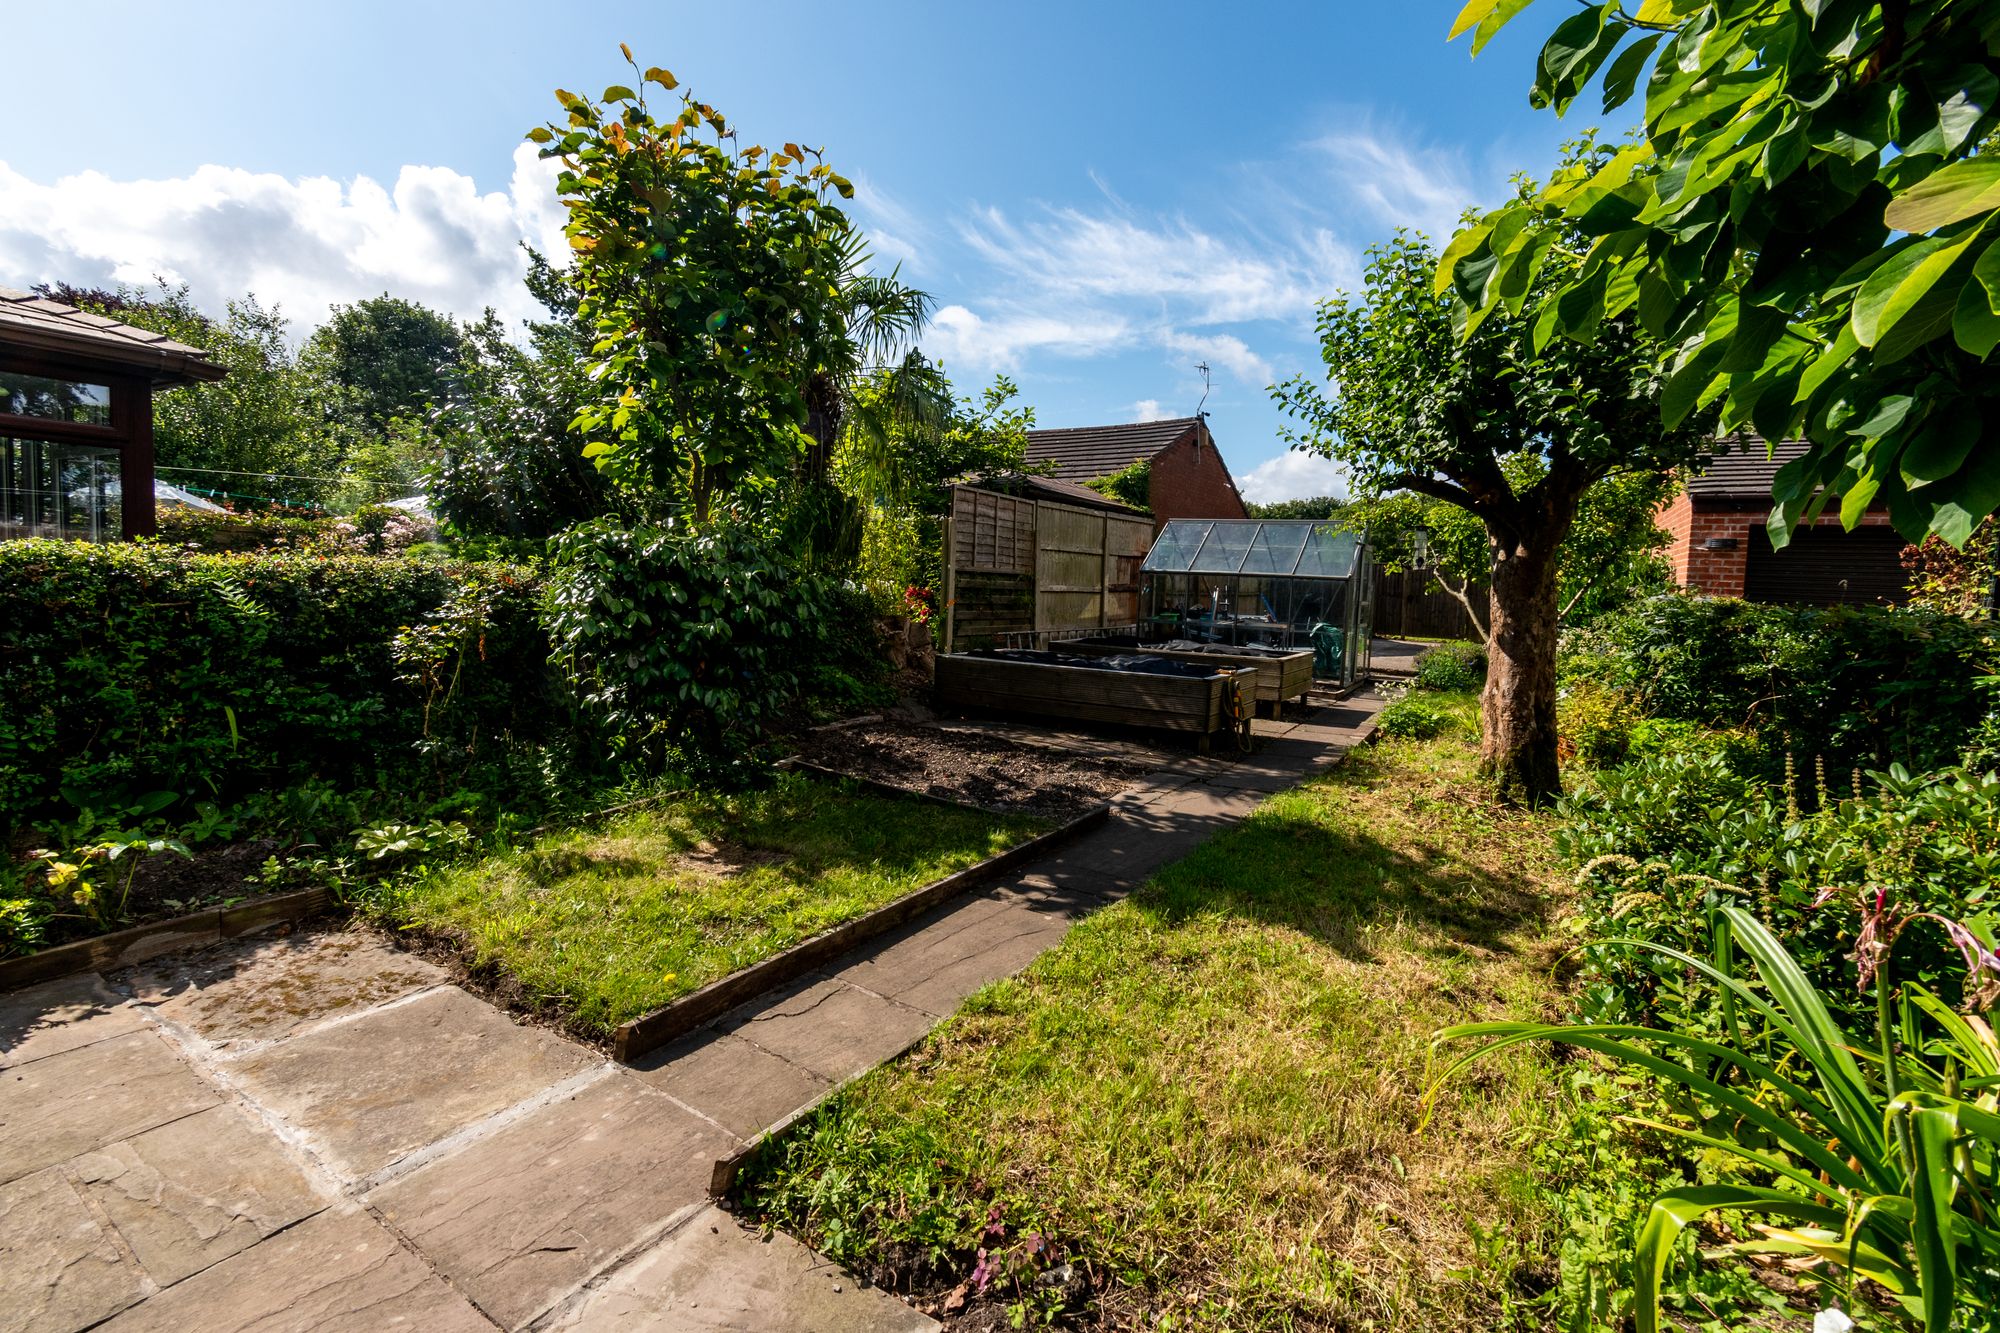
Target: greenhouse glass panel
point(1225, 548)
point(1275, 549)
point(1329, 553)
point(1175, 548)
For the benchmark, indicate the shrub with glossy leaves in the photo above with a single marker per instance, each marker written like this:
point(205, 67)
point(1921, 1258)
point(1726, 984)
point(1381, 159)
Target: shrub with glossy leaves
point(1866, 686)
point(686, 639)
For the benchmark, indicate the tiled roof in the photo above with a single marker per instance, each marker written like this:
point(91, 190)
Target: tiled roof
point(1048, 488)
point(48, 328)
point(1746, 469)
point(1085, 453)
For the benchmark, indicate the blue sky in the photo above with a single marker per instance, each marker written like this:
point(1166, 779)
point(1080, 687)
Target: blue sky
point(1099, 196)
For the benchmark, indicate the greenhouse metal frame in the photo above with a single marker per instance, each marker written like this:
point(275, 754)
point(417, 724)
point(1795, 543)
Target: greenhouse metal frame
point(1276, 583)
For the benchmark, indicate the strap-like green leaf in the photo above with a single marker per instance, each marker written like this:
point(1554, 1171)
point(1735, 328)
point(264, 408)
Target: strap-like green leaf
point(1670, 1214)
point(1932, 1132)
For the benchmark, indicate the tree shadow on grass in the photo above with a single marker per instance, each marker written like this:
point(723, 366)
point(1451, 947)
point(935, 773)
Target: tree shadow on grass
point(1337, 884)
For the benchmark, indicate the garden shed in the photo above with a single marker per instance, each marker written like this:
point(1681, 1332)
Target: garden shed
point(1029, 559)
point(1273, 584)
point(76, 419)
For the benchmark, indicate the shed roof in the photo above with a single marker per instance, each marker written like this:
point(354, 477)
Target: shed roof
point(37, 325)
point(1084, 453)
point(1747, 470)
point(1047, 488)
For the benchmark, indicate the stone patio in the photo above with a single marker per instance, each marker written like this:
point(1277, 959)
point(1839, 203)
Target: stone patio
point(319, 1132)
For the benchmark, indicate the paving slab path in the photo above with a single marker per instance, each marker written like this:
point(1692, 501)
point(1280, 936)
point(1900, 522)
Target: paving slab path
point(318, 1131)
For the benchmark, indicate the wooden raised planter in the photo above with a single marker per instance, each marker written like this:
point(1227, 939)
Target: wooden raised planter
point(1200, 704)
point(1278, 678)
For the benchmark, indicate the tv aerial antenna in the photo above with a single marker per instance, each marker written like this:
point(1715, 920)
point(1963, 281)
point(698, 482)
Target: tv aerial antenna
point(1202, 366)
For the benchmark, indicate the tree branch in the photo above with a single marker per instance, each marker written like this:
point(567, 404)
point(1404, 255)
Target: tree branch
point(1436, 489)
point(1588, 584)
point(1459, 595)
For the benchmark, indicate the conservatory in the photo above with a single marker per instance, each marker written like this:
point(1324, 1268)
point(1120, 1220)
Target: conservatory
point(1290, 584)
point(76, 419)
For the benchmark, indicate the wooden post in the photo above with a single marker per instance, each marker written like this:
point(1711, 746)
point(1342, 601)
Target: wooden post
point(1035, 639)
point(1104, 571)
point(950, 583)
point(135, 460)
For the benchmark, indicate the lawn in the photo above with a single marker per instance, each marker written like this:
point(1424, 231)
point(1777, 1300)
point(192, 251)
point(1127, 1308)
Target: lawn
point(604, 924)
point(1209, 1100)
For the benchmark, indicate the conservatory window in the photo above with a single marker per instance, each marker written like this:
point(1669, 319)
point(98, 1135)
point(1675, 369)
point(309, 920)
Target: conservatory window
point(53, 399)
point(59, 490)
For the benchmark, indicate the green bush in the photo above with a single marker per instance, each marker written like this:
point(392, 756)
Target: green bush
point(204, 530)
point(1865, 686)
point(688, 643)
point(1663, 842)
point(136, 669)
point(1416, 718)
point(1453, 667)
point(1595, 723)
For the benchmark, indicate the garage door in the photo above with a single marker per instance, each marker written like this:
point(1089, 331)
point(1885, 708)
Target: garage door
point(1825, 567)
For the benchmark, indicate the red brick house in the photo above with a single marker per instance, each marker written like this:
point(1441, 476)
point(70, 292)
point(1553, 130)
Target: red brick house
point(1186, 475)
point(1720, 546)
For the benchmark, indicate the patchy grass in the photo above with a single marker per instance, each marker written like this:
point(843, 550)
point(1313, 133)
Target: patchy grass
point(1209, 1099)
point(605, 924)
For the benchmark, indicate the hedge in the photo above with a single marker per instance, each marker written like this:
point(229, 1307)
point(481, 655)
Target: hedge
point(1866, 686)
point(135, 669)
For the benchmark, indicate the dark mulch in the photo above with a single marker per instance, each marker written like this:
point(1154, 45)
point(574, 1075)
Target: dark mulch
point(975, 770)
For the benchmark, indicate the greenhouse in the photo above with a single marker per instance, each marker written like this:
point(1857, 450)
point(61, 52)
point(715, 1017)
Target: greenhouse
point(1299, 583)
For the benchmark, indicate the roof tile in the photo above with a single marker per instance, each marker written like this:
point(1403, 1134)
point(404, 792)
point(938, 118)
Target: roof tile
point(1085, 453)
point(36, 324)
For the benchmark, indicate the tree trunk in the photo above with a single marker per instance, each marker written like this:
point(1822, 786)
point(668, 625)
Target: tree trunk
point(1518, 752)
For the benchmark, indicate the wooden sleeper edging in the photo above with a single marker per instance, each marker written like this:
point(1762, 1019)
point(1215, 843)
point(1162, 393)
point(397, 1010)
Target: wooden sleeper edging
point(122, 948)
point(649, 1032)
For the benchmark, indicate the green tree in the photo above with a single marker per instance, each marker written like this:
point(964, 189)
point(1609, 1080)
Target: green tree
point(1808, 227)
point(506, 462)
point(1317, 506)
point(1411, 405)
point(391, 355)
point(903, 535)
point(1609, 556)
point(271, 431)
point(726, 293)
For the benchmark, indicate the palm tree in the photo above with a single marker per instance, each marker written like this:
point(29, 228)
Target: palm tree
point(877, 344)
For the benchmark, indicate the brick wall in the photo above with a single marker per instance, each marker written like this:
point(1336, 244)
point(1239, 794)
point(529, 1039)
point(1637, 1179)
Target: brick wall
point(1720, 573)
point(1190, 480)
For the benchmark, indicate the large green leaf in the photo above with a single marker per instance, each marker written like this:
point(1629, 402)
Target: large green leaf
point(1893, 290)
point(1489, 16)
point(1940, 449)
point(1624, 73)
point(1950, 194)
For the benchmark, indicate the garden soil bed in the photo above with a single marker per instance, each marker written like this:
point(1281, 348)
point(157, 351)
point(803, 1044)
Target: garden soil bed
point(986, 771)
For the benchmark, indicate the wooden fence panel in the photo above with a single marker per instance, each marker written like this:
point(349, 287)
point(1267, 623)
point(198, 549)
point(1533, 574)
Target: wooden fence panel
point(1409, 604)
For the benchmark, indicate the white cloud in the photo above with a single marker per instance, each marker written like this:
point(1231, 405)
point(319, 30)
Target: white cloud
point(1198, 276)
point(1224, 350)
point(895, 233)
point(963, 340)
point(1396, 182)
point(302, 244)
point(1292, 476)
point(1148, 409)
